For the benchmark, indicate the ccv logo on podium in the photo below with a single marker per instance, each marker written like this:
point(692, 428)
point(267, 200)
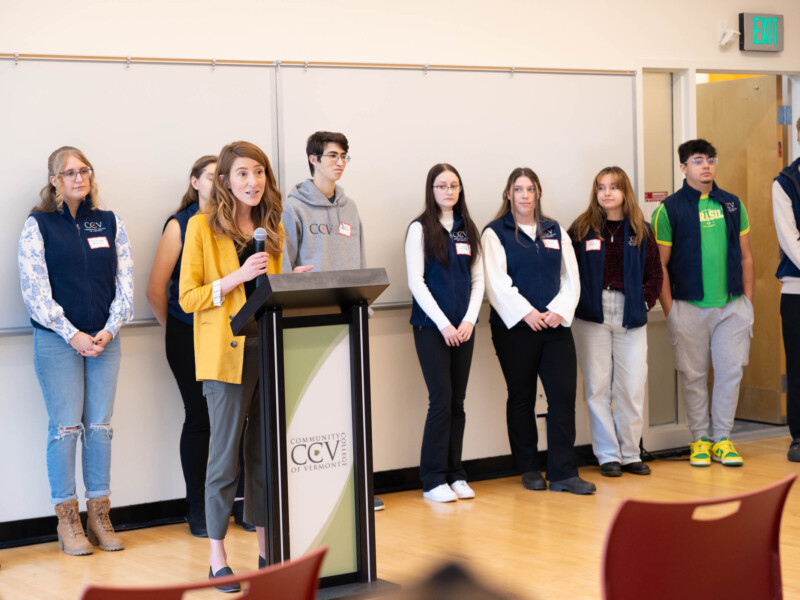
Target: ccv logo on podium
point(318, 452)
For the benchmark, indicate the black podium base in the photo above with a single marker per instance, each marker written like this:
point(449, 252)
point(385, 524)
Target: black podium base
point(357, 590)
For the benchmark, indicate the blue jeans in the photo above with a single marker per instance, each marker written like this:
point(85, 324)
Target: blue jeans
point(79, 396)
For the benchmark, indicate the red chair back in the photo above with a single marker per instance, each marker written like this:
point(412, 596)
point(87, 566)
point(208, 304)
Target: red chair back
point(661, 550)
point(296, 579)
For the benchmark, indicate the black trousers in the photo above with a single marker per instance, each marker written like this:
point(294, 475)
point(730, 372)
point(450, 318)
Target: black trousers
point(790, 317)
point(446, 371)
point(549, 354)
point(196, 429)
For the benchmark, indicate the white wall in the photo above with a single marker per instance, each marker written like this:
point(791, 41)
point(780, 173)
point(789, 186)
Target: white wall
point(611, 35)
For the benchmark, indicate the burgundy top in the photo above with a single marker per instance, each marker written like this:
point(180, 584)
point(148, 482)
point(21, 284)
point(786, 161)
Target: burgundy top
point(614, 234)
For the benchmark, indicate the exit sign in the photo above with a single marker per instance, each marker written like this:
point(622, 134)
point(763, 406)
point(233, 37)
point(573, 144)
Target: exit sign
point(760, 33)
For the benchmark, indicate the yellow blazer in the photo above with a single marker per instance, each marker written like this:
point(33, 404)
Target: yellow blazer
point(219, 354)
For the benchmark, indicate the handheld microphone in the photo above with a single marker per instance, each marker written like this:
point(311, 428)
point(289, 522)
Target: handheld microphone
point(260, 236)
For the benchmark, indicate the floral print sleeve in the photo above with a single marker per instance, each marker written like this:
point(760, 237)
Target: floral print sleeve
point(35, 282)
point(121, 310)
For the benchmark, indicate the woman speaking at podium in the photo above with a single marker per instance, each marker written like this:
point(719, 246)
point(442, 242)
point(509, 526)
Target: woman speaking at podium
point(218, 272)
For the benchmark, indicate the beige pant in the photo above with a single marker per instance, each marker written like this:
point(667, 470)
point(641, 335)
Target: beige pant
point(228, 406)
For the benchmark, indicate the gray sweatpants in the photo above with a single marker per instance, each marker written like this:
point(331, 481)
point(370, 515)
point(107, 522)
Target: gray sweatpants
point(228, 405)
point(723, 335)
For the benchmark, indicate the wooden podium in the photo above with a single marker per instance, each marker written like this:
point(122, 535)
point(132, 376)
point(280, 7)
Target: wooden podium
point(316, 419)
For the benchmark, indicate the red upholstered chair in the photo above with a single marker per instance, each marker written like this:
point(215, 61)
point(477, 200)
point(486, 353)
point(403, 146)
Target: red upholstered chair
point(667, 550)
point(292, 580)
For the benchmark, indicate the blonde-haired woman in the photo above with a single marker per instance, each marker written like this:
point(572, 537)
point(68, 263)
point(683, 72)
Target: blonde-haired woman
point(78, 288)
point(218, 272)
point(621, 278)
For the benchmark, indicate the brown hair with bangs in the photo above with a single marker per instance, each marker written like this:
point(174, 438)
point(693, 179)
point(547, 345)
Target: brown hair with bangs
point(594, 216)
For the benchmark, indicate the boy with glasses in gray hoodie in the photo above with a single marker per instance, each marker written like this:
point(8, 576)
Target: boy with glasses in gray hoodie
point(320, 222)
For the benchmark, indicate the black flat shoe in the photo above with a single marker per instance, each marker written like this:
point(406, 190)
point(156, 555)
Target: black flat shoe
point(228, 588)
point(794, 451)
point(574, 485)
point(196, 518)
point(238, 516)
point(262, 562)
point(611, 469)
point(533, 480)
point(637, 468)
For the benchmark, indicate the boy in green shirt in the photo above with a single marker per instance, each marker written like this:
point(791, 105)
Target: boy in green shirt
point(704, 241)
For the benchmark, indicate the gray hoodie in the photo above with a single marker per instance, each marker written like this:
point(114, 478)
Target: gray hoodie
point(320, 233)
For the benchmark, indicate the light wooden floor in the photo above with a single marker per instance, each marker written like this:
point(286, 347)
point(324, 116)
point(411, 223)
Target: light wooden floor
point(532, 544)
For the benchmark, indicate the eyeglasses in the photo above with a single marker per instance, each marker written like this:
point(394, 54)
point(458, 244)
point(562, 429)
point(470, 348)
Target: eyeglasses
point(334, 157)
point(73, 173)
point(443, 188)
point(699, 161)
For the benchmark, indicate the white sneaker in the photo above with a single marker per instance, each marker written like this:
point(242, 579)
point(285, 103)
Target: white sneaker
point(462, 489)
point(441, 493)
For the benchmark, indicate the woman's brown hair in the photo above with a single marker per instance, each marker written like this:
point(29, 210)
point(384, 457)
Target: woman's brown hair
point(190, 197)
point(223, 206)
point(594, 216)
point(507, 205)
point(434, 236)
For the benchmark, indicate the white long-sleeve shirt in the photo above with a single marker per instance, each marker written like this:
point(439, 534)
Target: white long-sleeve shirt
point(788, 234)
point(415, 266)
point(504, 296)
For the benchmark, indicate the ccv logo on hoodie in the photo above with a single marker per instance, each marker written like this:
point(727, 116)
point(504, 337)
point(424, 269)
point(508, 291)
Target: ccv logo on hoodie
point(320, 228)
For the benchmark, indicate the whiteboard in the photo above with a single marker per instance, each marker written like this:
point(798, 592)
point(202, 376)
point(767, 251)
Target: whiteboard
point(142, 128)
point(401, 122)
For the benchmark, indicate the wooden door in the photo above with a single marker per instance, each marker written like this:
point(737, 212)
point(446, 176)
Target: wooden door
point(739, 117)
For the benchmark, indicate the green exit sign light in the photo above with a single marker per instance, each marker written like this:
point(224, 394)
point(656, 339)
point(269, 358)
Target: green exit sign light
point(760, 33)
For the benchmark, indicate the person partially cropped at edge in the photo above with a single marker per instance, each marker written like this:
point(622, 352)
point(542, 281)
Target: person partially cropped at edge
point(219, 267)
point(320, 221)
point(76, 273)
point(445, 276)
point(786, 214)
point(533, 285)
point(703, 237)
point(162, 293)
point(621, 278)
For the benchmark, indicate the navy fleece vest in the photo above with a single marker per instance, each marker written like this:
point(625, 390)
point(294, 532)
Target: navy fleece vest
point(685, 264)
point(81, 258)
point(591, 265)
point(449, 285)
point(789, 180)
point(173, 294)
point(533, 265)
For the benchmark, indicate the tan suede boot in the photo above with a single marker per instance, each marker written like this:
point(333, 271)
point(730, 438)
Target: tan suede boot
point(70, 531)
point(98, 525)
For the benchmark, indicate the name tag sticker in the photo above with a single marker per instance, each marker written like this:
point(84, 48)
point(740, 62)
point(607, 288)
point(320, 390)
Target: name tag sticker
point(98, 242)
point(552, 244)
point(345, 230)
point(592, 245)
point(462, 248)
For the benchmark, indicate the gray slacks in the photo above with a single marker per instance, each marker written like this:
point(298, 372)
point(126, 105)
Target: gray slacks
point(228, 406)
